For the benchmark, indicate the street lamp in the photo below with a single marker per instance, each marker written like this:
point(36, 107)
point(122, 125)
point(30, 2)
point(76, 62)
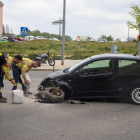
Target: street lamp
point(128, 33)
point(58, 22)
point(63, 31)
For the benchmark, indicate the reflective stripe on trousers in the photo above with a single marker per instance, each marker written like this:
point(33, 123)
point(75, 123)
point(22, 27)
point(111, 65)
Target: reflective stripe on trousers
point(16, 75)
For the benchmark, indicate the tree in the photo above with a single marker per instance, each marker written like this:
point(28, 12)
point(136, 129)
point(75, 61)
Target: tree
point(11, 31)
point(3, 30)
point(47, 35)
point(136, 15)
point(103, 37)
point(131, 39)
point(108, 38)
point(7, 29)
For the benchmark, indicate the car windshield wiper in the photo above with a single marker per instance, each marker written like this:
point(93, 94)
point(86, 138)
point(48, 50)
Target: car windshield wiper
point(66, 70)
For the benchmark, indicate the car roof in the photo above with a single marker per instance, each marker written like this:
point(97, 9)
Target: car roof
point(119, 56)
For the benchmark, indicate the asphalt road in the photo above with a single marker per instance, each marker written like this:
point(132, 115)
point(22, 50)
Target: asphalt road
point(96, 120)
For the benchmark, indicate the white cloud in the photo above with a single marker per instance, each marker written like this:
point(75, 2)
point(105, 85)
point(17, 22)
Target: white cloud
point(85, 17)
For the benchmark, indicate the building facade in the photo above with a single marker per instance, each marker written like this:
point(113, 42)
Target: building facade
point(1, 18)
point(118, 39)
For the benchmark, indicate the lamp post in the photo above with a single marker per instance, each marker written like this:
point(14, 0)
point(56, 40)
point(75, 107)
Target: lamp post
point(63, 31)
point(128, 33)
point(58, 22)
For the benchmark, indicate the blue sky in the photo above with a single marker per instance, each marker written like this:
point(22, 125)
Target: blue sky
point(83, 17)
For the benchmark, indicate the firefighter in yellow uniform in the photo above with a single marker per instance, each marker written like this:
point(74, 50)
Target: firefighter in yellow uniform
point(13, 61)
point(25, 66)
point(7, 70)
point(17, 59)
point(5, 63)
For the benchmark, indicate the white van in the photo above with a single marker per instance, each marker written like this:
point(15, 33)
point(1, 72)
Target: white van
point(84, 38)
point(29, 38)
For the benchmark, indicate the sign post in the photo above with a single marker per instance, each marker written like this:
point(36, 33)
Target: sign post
point(24, 32)
point(114, 48)
point(138, 39)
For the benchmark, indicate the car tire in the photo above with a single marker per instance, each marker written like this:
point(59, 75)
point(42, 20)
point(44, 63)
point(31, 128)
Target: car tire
point(134, 95)
point(53, 98)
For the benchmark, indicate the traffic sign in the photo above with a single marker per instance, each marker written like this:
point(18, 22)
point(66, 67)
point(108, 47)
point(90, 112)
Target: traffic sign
point(24, 31)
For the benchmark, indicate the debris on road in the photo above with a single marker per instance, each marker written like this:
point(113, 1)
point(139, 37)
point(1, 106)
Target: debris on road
point(74, 102)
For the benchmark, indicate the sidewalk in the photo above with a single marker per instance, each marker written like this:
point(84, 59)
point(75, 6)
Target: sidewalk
point(58, 66)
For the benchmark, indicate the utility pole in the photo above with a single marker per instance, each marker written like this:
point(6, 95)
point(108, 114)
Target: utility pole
point(128, 33)
point(139, 29)
point(59, 30)
point(63, 33)
point(138, 39)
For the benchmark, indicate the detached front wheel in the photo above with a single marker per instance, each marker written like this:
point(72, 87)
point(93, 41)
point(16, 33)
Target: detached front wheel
point(135, 95)
point(53, 94)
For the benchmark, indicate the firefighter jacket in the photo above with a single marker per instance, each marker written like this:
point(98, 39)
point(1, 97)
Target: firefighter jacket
point(7, 69)
point(25, 65)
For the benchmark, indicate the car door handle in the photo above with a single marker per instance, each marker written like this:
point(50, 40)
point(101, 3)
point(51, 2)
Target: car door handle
point(111, 78)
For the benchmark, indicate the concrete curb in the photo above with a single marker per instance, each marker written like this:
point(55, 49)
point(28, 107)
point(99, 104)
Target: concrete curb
point(44, 70)
point(58, 66)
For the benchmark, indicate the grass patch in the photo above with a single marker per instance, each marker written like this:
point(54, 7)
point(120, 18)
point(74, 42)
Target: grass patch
point(73, 49)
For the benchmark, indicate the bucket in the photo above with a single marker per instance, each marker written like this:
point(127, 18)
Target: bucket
point(17, 96)
point(28, 78)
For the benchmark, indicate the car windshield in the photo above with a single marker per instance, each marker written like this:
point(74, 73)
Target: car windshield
point(14, 36)
point(78, 64)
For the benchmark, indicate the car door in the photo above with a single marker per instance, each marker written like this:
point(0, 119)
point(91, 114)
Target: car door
point(96, 78)
point(128, 75)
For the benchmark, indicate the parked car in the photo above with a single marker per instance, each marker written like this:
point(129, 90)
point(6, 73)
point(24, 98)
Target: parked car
point(14, 40)
point(3, 40)
point(4, 37)
point(52, 38)
point(29, 38)
point(20, 39)
point(105, 75)
point(12, 37)
point(39, 37)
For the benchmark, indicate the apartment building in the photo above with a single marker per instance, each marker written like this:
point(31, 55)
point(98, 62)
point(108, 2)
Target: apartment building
point(1, 18)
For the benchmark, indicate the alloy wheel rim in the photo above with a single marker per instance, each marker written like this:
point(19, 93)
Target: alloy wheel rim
point(136, 95)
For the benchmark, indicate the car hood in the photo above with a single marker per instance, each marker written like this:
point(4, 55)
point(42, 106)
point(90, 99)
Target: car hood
point(54, 75)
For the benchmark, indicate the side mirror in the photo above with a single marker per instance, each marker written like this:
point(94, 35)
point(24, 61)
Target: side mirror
point(76, 73)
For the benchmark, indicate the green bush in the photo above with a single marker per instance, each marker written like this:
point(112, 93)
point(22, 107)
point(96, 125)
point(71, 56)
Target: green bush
point(11, 52)
point(58, 57)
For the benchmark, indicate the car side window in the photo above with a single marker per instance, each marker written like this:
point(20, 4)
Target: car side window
point(97, 67)
point(128, 66)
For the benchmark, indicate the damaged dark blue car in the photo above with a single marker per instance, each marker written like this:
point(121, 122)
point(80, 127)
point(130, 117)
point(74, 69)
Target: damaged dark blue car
point(99, 76)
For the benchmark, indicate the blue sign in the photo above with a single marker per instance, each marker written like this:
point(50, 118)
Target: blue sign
point(24, 31)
